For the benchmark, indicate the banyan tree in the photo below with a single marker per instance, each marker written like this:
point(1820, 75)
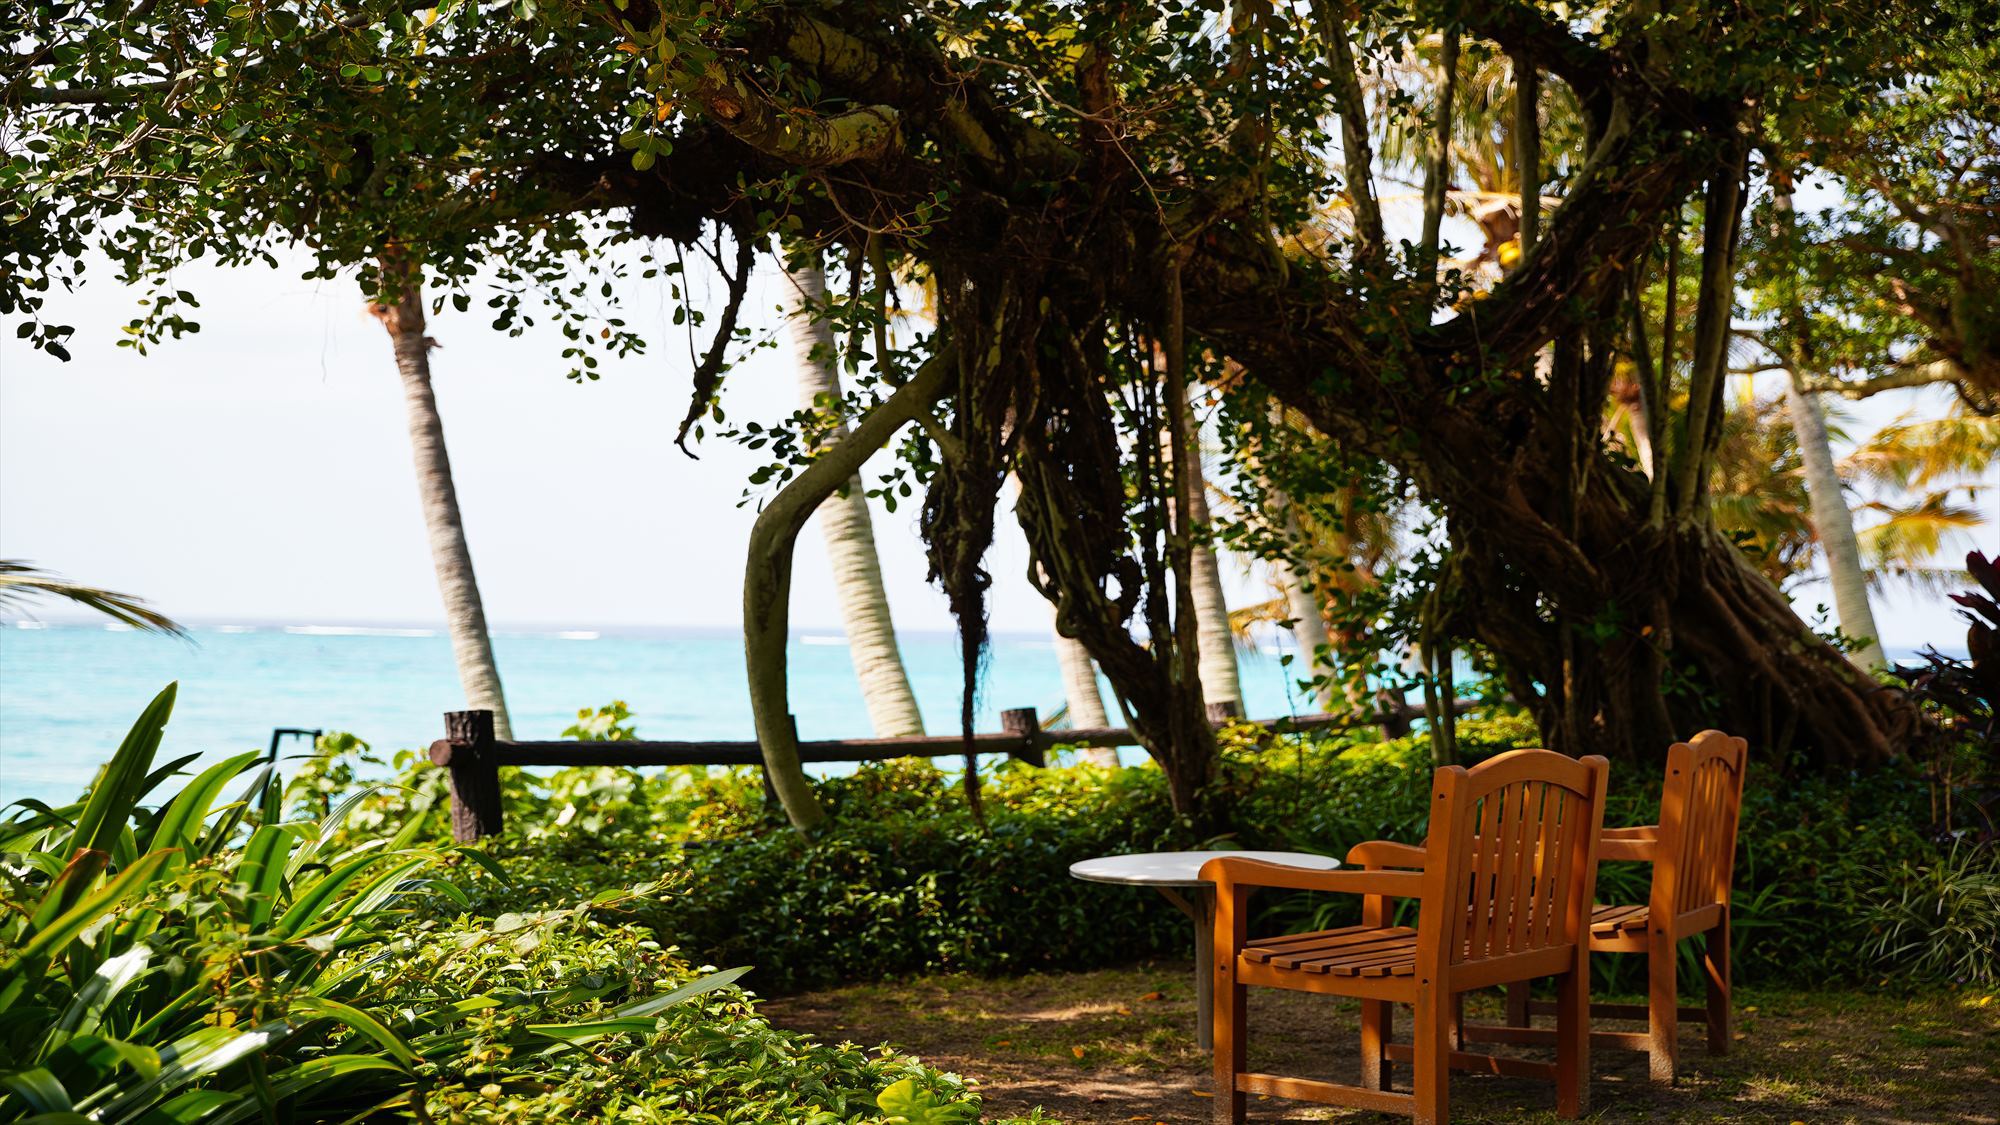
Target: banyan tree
point(1103, 204)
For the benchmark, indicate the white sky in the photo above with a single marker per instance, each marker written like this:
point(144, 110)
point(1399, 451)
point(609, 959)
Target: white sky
point(260, 471)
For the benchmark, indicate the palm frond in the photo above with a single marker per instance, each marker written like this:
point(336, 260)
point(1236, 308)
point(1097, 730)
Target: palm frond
point(1924, 452)
point(20, 583)
point(1915, 534)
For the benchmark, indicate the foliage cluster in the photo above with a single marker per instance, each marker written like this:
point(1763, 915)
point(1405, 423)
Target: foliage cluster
point(214, 960)
point(905, 879)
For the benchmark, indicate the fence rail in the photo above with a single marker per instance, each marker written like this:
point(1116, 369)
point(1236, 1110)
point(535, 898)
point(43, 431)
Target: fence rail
point(474, 756)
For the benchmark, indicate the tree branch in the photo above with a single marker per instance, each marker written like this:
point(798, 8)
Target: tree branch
point(1437, 174)
point(767, 578)
point(1356, 151)
point(708, 373)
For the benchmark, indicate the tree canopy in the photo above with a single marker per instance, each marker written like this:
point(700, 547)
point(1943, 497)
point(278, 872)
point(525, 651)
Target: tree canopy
point(1108, 203)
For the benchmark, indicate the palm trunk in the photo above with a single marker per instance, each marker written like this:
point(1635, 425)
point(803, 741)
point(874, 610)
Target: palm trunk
point(849, 530)
point(465, 614)
point(1834, 525)
point(1086, 702)
point(1309, 634)
point(1219, 681)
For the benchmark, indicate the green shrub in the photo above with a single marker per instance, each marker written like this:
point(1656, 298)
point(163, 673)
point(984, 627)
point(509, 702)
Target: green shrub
point(905, 880)
point(209, 960)
point(1940, 920)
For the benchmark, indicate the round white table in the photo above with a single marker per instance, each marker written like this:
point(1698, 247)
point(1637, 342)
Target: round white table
point(1170, 873)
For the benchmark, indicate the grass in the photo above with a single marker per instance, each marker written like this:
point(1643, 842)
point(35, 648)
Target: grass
point(1118, 1046)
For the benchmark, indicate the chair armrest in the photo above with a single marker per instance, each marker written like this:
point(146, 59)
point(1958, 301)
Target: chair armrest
point(1629, 843)
point(1228, 871)
point(1386, 853)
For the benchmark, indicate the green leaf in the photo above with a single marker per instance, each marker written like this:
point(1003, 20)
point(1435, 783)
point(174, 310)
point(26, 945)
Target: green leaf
point(85, 1010)
point(596, 1029)
point(688, 991)
point(293, 1081)
point(39, 1089)
point(360, 1021)
point(182, 819)
point(51, 939)
point(306, 908)
point(906, 1103)
point(262, 869)
point(192, 1057)
point(118, 788)
point(385, 887)
point(328, 824)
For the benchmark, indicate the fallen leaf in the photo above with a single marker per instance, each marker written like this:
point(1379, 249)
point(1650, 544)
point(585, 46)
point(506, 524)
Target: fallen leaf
point(1010, 1042)
point(1128, 1011)
point(1201, 1093)
point(1077, 1051)
point(1150, 997)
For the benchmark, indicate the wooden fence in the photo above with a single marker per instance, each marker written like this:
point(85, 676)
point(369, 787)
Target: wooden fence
point(474, 756)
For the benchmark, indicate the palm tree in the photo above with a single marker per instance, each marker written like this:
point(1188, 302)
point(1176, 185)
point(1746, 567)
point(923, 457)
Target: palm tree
point(1833, 524)
point(1762, 492)
point(20, 582)
point(1085, 703)
point(845, 521)
point(1308, 620)
point(1930, 461)
point(465, 614)
point(1219, 680)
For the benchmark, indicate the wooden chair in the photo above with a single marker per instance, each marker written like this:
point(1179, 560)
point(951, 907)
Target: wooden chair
point(1693, 853)
point(1503, 890)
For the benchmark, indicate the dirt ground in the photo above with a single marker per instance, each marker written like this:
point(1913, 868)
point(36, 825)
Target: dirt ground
point(1118, 1046)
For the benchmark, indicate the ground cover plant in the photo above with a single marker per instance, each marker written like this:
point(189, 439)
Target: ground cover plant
point(216, 960)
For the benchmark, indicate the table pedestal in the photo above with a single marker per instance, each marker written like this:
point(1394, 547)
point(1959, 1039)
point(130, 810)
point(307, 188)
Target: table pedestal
point(1177, 875)
point(1198, 903)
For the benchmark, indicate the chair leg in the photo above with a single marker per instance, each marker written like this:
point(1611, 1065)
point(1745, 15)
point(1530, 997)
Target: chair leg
point(1517, 1004)
point(1573, 1041)
point(1230, 1040)
point(1715, 963)
point(1662, 1007)
point(1376, 1025)
point(1430, 1069)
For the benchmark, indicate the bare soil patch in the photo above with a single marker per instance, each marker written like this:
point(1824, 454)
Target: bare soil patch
point(1118, 1046)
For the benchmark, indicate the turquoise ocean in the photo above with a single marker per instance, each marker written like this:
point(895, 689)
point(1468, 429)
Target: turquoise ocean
point(69, 692)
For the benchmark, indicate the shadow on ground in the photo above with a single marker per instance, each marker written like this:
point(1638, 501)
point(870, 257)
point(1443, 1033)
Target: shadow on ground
point(1118, 1046)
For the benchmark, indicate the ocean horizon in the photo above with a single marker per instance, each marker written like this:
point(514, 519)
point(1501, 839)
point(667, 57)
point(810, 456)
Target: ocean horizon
point(70, 690)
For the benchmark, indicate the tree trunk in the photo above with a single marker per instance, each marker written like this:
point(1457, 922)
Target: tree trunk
point(845, 521)
point(465, 614)
point(1085, 699)
point(1309, 634)
point(1219, 679)
point(1834, 525)
point(767, 580)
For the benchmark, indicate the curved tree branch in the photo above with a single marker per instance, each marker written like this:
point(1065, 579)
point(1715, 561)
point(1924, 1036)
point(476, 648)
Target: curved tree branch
point(767, 577)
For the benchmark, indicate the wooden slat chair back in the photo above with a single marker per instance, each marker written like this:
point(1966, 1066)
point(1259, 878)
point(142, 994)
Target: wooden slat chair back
point(1693, 853)
point(1695, 858)
point(1503, 888)
point(1514, 861)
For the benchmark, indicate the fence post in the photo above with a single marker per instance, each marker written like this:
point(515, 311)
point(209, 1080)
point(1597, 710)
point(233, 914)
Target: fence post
point(1393, 714)
point(467, 749)
point(1024, 722)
